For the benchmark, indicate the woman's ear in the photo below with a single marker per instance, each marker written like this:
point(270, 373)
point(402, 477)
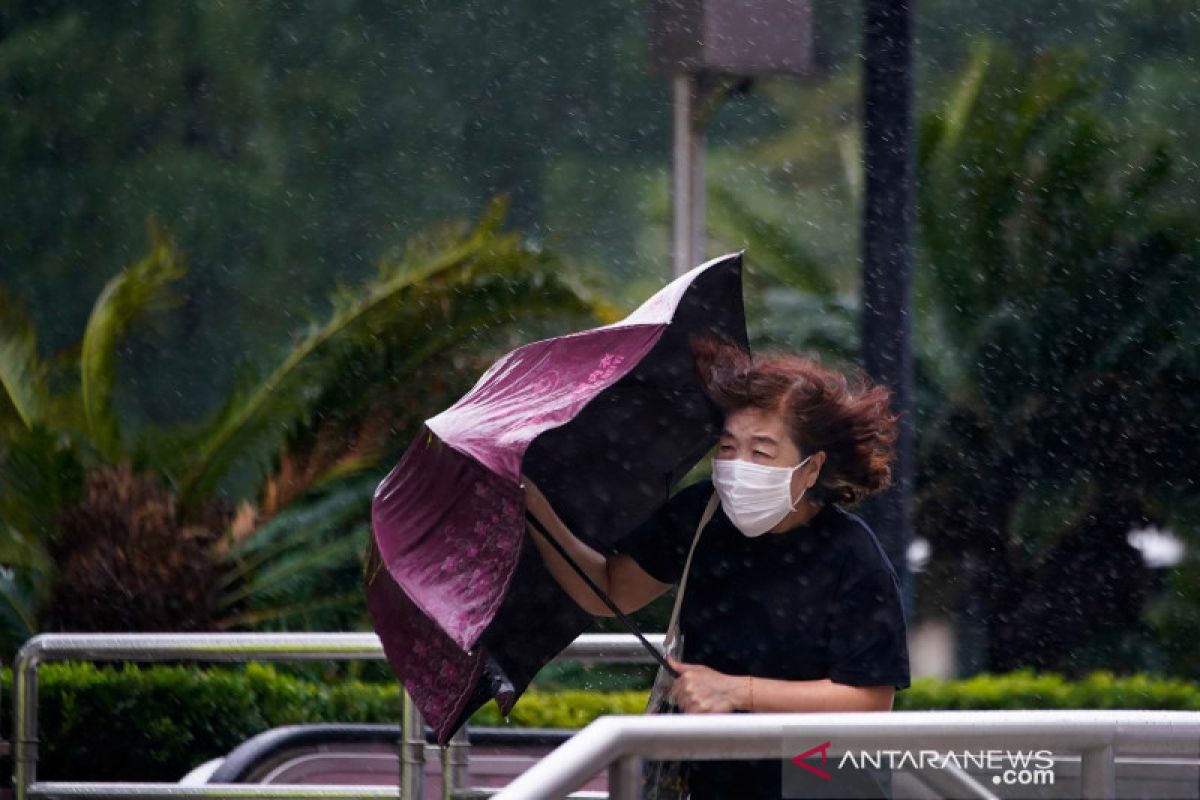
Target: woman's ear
point(817, 462)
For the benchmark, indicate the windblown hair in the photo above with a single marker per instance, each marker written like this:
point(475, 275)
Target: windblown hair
point(850, 419)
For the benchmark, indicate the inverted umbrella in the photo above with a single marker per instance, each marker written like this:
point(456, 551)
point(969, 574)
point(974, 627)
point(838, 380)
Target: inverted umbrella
point(605, 421)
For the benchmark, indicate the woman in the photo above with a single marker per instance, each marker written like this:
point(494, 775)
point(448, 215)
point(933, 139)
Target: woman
point(791, 603)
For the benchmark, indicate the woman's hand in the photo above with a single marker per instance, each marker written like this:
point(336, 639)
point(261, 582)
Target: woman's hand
point(700, 689)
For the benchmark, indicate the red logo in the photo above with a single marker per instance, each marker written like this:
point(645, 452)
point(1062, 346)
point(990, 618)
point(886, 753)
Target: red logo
point(800, 762)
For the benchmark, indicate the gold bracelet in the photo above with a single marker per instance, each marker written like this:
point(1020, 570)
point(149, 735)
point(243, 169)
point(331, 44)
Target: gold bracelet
point(751, 692)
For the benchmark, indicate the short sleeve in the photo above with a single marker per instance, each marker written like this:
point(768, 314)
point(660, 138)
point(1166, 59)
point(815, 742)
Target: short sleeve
point(660, 544)
point(869, 636)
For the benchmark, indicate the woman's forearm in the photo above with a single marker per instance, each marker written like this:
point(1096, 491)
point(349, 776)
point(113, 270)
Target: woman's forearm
point(595, 564)
point(772, 695)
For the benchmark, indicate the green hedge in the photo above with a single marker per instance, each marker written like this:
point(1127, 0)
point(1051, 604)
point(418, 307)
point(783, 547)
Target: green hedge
point(1027, 689)
point(154, 723)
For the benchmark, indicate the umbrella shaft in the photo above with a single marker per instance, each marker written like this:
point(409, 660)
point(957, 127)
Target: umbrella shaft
point(625, 620)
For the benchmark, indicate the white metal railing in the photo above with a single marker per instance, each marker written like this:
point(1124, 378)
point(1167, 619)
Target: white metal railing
point(619, 743)
point(237, 647)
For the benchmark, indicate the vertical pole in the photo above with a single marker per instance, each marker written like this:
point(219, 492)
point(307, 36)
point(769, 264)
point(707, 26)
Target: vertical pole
point(888, 213)
point(412, 749)
point(1098, 773)
point(455, 763)
point(687, 175)
point(625, 778)
point(25, 718)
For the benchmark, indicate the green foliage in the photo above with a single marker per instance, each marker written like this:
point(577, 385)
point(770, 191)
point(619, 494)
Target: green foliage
point(289, 146)
point(1174, 618)
point(1029, 689)
point(572, 708)
point(23, 392)
point(40, 474)
point(1059, 353)
point(143, 287)
point(790, 199)
point(274, 141)
point(161, 721)
point(441, 293)
point(276, 579)
point(311, 431)
point(1055, 342)
point(777, 248)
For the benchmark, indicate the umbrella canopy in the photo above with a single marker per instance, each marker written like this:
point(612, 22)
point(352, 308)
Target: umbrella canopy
point(605, 421)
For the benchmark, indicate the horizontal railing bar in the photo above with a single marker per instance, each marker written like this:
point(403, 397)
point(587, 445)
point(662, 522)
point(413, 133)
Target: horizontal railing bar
point(606, 647)
point(204, 646)
point(742, 736)
point(167, 791)
point(174, 791)
point(611, 648)
point(492, 791)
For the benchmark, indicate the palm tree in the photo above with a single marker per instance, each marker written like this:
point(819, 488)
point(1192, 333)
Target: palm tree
point(107, 529)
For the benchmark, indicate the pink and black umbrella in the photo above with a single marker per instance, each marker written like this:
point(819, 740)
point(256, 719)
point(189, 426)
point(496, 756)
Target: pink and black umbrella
point(605, 421)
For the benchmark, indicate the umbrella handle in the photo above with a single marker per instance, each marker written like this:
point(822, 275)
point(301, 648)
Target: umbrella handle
point(625, 620)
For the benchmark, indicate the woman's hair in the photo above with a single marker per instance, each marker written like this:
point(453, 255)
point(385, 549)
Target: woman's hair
point(850, 421)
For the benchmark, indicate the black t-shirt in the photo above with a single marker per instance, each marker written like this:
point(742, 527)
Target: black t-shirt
point(818, 601)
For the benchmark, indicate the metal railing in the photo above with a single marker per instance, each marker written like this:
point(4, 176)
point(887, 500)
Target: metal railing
point(240, 647)
point(619, 743)
point(615, 743)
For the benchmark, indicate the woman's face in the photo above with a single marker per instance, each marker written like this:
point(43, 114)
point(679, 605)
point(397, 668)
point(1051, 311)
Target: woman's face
point(761, 437)
point(758, 436)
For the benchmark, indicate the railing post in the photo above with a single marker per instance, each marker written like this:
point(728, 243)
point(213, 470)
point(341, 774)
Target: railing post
point(625, 778)
point(412, 749)
point(25, 716)
point(455, 761)
point(1098, 773)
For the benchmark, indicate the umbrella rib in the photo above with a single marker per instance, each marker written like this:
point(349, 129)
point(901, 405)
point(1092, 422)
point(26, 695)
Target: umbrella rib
point(625, 620)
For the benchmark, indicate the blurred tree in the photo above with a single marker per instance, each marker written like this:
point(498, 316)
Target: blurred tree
point(1064, 290)
point(107, 528)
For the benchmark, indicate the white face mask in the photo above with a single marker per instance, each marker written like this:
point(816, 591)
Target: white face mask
point(755, 497)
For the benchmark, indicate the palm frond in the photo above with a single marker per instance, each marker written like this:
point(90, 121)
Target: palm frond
point(799, 320)
point(21, 594)
point(365, 404)
point(302, 613)
point(40, 474)
point(298, 565)
point(21, 551)
point(266, 412)
point(252, 425)
point(143, 287)
point(776, 247)
point(294, 564)
point(23, 392)
point(974, 161)
point(318, 518)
